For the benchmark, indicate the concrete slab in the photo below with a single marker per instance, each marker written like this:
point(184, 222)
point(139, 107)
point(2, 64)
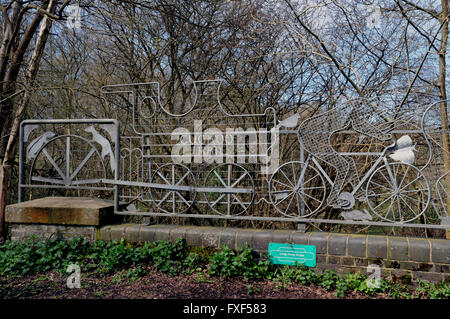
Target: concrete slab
point(62, 211)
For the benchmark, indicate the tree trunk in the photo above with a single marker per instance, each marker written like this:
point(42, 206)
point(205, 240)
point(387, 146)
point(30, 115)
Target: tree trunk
point(9, 83)
point(443, 96)
point(10, 22)
point(10, 152)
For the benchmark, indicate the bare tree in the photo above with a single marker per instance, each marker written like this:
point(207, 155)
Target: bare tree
point(13, 50)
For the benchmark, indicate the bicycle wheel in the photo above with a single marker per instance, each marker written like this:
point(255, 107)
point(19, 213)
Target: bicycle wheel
point(294, 195)
point(398, 192)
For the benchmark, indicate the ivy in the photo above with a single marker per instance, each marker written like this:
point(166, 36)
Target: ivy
point(33, 257)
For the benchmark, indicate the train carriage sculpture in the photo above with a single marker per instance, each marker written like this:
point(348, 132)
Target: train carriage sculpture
point(192, 151)
point(196, 154)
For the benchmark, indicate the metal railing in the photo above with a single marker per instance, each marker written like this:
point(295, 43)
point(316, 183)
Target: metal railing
point(201, 158)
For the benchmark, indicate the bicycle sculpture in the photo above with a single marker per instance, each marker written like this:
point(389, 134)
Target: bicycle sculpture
point(394, 191)
point(192, 151)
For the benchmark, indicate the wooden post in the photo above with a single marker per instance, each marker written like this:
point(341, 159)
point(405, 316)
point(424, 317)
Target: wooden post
point(446, 147)
point(4, 192)
point(443, 19)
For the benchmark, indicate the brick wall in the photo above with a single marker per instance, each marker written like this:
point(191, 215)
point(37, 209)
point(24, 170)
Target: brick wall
point(415, 258)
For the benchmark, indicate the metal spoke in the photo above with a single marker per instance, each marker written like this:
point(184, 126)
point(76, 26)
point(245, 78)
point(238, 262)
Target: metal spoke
point(220, 178)
point(310, 179)
point(309, 208)
point(173, 175)
point(60, 172)
point(408, 206)
point(310, 197)
point(383, 194)
point(182, 179)
point(308, 188)
point(182, 198)
point(400, 217)
point(293, 173)
point(174, 204)
point(415, 190)
point(404, 176)
point(290, 202)
point(389, 208)
point(418, 176)
point(381, 185)
point(290, 194)
point(239, 201)
point(164, 198)
point(287, 178)
point(87, 158)
point(417, 200)
point(281, 192)
point(383, 201)
point(389, 182)
point(395, 171)
point(218, 199)
point(282, 184)
point(163, 178)
point(239, 179)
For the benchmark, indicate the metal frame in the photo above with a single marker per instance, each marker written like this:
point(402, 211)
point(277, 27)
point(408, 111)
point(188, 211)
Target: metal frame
point(66, 180)
point(298, 189)
point(230, 197)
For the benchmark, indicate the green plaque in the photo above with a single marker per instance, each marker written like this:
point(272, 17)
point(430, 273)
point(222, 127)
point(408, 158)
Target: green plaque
point(290, 254)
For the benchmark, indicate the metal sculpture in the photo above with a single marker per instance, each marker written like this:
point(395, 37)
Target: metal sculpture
point(315, 133)
point(74, 161)
point(395, 192)
point(191, 152)
point(175, 180)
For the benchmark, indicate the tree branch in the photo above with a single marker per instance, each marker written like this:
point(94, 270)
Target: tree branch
point(325, 49)
point(434, 14)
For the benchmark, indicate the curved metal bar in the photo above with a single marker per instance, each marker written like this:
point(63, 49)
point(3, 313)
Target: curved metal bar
point(67, 180)
point(441, 198)
point(422, 125)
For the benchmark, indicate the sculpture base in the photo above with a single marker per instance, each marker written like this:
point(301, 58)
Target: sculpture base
point(59, 217)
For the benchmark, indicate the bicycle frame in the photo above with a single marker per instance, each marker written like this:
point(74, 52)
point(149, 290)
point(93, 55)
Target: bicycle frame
point(381, 157)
